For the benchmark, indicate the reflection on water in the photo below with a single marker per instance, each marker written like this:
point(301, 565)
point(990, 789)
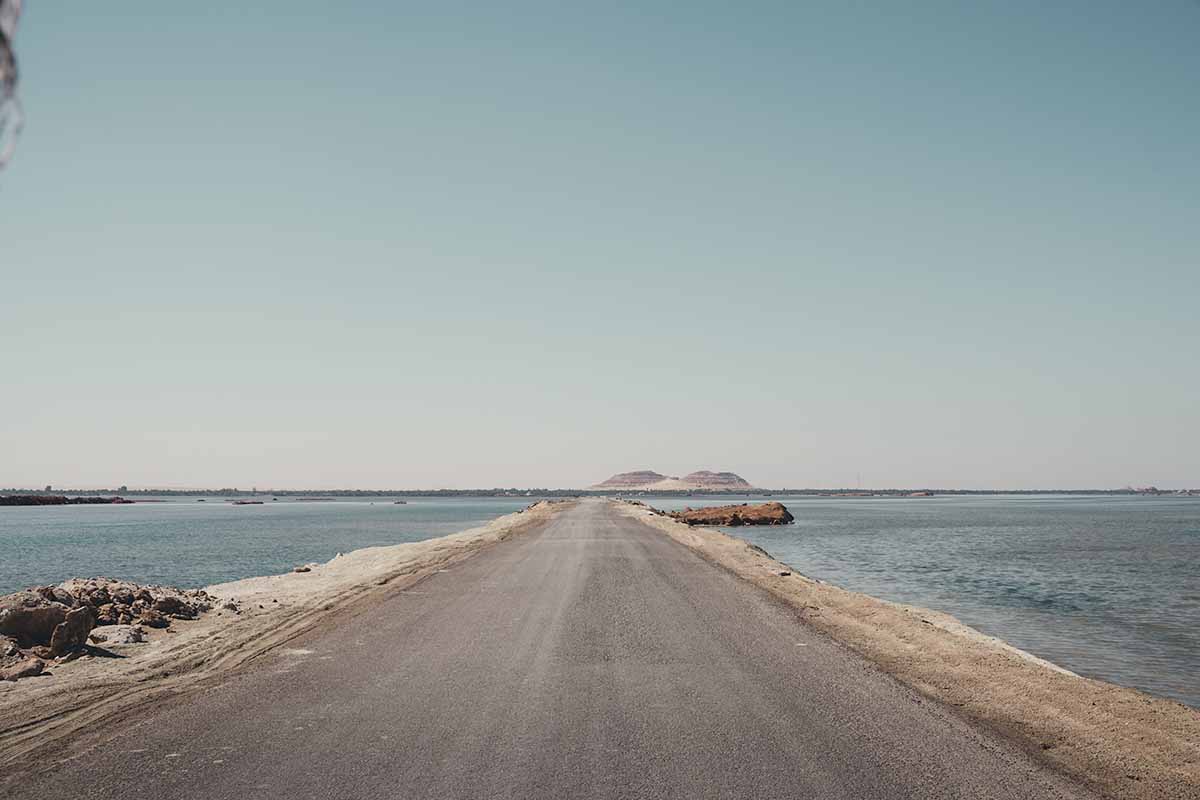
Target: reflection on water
point(1108, 587)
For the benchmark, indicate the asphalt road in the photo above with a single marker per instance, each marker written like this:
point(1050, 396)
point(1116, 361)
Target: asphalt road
point(592, 658)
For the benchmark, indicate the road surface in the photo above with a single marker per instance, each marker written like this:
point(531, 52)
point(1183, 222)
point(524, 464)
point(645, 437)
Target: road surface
point(592, 658)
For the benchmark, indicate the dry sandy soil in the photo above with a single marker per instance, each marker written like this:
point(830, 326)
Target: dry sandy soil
point(72, 700)
point(1118, 741)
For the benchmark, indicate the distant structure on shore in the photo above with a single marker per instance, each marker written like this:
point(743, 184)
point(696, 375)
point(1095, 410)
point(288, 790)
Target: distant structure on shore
point(649, 480)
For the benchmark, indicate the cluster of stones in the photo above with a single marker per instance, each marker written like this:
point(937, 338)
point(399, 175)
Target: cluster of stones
point(761, 514)
point(55, 622)
point(123, 603)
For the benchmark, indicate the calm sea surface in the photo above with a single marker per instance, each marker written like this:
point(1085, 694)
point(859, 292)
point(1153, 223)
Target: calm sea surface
point(181, 542)
point(1108, 587)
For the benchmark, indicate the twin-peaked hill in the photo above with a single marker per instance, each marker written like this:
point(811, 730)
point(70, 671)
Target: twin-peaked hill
point(703, 480)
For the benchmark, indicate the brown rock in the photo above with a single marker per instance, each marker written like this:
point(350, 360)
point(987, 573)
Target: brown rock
point(152, 619)
point(30, 617)
point(56, 594)
point(761, 514)
point(108, 614)
point(118, 634)
point(26, 668)
point(72, 633)
point(169, 604)
point(98, 597)
point(8, 647)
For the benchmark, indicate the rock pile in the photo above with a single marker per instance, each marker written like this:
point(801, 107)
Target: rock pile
point(761, 514)
point(55, 622)
point(123, 603)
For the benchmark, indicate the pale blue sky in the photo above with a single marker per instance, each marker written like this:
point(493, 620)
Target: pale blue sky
point(415, 245)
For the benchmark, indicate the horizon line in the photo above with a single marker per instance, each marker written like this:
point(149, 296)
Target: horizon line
point(51, 490)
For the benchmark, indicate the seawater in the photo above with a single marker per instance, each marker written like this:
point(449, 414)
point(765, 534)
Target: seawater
point(1106, 586)
point(182, 542)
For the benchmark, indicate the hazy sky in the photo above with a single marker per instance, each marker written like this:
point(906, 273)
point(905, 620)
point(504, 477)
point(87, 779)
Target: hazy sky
point(415, 245)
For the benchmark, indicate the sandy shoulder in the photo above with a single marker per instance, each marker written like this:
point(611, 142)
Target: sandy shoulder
point(83, 700)
point(1119, 741)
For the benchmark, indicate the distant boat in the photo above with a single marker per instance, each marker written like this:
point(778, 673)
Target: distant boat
point(399, 502)
point(247, 502)
point(201, 500)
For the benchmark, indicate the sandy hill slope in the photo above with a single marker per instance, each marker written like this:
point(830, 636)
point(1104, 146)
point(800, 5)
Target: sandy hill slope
point(639, 479)
point(717, 480)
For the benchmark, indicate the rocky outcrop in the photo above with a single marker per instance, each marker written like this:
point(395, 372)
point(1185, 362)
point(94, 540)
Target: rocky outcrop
point(56, 622)
point(761, 514)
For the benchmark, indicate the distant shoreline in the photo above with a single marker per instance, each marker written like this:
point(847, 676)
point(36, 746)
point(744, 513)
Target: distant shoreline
point(524, 493)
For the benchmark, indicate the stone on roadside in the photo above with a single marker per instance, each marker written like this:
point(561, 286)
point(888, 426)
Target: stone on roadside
point(73, 632)
point(108, 614)
point(152, 619)
point(169, 605)
point(30, 617)
point(118, 634)
point(117, 602)
point(26, 668)
point(55, 623)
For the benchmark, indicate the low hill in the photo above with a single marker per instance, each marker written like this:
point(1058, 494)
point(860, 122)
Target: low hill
point(703, 480)
point(717, 480)
point(639, 479)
